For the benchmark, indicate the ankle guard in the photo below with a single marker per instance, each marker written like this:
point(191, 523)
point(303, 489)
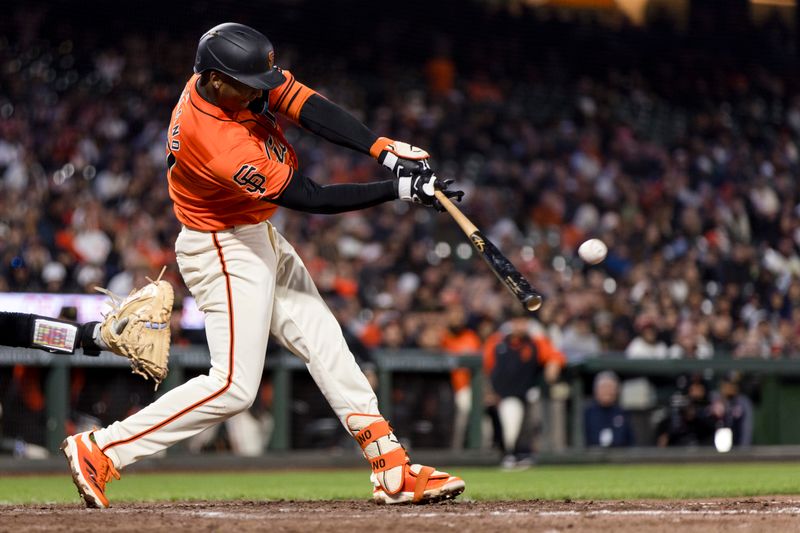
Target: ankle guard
point(385, 455)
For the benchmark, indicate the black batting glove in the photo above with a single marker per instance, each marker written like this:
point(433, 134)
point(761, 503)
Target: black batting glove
point(420, 189)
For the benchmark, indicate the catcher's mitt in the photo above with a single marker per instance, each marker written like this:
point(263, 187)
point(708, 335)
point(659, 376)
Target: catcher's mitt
point(137, 327)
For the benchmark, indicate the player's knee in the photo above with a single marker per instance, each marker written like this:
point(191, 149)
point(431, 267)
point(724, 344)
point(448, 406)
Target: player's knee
point(239, 398)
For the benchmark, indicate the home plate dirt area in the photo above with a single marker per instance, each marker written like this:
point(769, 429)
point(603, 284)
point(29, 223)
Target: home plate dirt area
point(728, 515)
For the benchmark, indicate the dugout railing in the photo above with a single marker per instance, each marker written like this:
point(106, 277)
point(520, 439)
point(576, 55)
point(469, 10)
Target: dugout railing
point(775, 411)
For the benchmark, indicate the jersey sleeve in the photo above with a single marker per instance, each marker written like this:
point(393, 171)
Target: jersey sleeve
point(245, 167)
point(547, 352)
point(489, 352)
point(289, 97)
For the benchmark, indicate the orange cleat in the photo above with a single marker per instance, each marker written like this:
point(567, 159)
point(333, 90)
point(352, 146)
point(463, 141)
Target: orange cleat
point(421, 484)
point(91, 468)
point(396, 480)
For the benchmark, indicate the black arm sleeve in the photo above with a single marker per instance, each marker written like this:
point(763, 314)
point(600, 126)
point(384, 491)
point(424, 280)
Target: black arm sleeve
point(15, 329)
point(304, 194)
point(18, 330)
point(332, 123)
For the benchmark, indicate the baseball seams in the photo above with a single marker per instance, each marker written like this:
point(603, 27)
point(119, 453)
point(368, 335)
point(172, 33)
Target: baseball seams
point(248, 281)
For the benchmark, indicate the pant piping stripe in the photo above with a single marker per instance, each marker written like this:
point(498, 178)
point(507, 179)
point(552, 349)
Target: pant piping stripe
point(229, 379)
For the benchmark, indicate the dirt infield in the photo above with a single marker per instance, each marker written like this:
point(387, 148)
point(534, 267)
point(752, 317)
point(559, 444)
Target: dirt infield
point(755, 514)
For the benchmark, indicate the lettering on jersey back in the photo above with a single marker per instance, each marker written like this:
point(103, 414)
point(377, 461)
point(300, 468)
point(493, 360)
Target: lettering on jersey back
point(250, 180)
point(275, 150)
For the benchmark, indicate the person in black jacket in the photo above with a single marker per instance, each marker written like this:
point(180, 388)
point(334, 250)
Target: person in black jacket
point(605, 423)
point(518, 364)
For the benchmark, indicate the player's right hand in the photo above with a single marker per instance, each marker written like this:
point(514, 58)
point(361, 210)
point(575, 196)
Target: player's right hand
point(404, 160)
point(421, 189)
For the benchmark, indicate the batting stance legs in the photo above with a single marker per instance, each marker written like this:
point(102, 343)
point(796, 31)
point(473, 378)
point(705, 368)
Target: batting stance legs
point(244, 279)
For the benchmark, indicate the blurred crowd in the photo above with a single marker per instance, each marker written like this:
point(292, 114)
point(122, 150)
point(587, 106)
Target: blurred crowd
point(686, 167)
point(687, 170)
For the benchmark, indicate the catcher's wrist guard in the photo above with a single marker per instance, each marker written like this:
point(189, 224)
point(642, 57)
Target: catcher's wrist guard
point(53, 335)
point(137, 327)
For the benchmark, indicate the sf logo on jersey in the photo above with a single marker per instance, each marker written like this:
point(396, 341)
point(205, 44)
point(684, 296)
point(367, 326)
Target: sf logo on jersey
point(247, 178)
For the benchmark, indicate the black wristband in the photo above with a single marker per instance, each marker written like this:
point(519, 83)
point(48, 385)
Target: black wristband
point(87, 339)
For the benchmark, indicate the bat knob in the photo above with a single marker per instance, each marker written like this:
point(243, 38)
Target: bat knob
point(532, 302)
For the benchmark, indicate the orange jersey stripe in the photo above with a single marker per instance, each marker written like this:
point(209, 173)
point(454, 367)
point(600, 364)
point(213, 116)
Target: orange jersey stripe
point(289, 98)
point(229, 378)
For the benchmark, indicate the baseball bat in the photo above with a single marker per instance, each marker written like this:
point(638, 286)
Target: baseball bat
point(498, 263)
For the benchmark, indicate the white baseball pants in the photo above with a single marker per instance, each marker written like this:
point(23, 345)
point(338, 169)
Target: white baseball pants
point(511, 411)
point(249, 282)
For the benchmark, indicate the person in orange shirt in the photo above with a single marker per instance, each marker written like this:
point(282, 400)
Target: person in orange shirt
point(229, 168)
point(460, 340)
point(517, 362)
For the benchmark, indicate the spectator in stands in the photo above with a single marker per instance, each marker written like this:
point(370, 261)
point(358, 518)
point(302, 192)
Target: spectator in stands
point(691, 421)
point(578, 341)
point(733, 409)
point(647, 344)
point(458, 339)
point(518, 366)
point(605, 423)
point(690, 343)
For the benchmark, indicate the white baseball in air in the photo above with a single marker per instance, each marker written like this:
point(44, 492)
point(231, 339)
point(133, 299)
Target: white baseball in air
point(593, 251)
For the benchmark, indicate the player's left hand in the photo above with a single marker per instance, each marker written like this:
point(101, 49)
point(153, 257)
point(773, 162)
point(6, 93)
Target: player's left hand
point(404, 160)
point(420, 189)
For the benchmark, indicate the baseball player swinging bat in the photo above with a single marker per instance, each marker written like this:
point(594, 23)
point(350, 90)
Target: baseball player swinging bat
point(498, 263)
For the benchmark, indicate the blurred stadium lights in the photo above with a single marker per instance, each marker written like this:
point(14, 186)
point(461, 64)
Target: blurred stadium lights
point(464, 251)
point(634, 10)
point(639, 12)
point(781, 3)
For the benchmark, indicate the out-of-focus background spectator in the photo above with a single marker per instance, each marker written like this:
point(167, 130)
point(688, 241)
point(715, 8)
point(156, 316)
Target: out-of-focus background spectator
point(733, 409)
point(691, 419)
point(519, 365)
point(606, 424)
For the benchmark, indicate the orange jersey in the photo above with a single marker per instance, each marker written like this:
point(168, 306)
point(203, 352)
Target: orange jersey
point(465, 343)
point(545, 352)
point(222, 166)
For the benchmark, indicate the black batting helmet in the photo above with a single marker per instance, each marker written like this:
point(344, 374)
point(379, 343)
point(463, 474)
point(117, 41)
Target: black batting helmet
point(242, 53)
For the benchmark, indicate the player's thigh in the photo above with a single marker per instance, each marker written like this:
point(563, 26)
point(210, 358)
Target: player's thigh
point(232, 278)
point(301, 319)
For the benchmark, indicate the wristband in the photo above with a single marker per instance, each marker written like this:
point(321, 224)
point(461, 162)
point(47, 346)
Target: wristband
point(54, 336)
point(404, 188)
point(379, 146)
